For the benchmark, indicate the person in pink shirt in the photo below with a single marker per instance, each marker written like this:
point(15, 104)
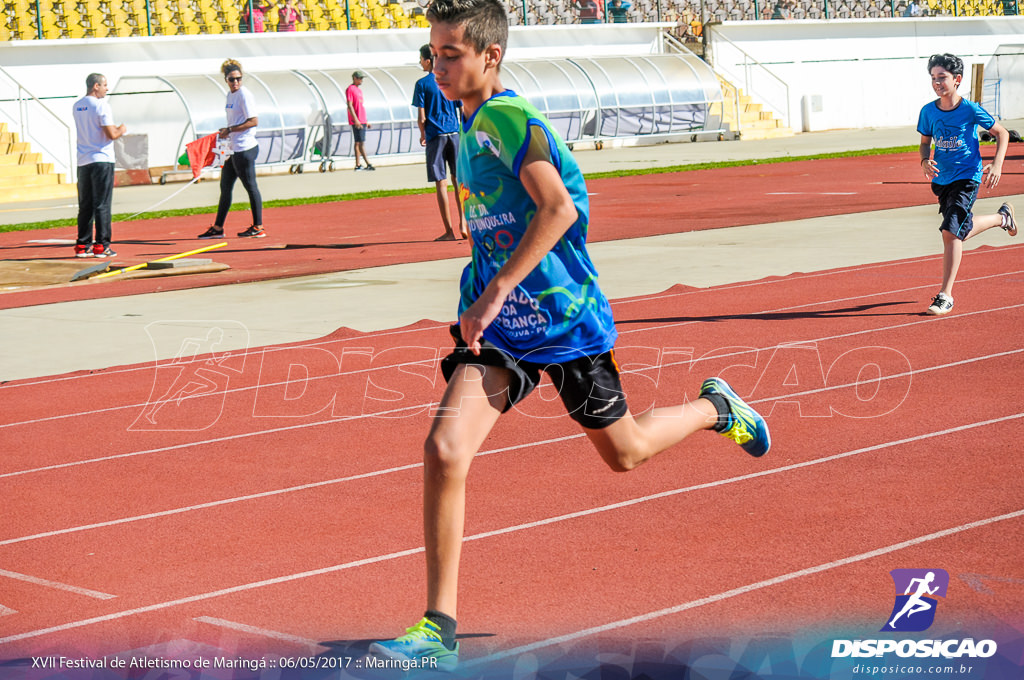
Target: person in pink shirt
point(287, 16)
point(357, 118)
point(258, 22)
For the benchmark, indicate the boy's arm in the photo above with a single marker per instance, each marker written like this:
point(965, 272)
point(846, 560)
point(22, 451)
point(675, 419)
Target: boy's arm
point(421, 120)
point(994, 169)
point(555, 214)
point(931, 170)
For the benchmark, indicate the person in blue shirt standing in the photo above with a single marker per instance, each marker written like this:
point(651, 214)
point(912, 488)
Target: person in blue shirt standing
point(439, 133)
point(951, 123)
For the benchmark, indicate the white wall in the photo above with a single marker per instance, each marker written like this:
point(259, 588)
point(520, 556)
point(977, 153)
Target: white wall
point(863, 72)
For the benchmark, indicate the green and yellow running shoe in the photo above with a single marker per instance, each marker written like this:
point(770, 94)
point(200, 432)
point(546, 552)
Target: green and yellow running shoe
point(746, 427)
point(420, 648)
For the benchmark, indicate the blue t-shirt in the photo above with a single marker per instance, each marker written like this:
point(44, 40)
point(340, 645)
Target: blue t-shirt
point(955, 134)
point(557, 313)
point(441, 113)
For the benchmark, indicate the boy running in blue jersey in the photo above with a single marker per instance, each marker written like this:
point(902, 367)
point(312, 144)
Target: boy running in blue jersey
point(530, 303)
point(951, 122)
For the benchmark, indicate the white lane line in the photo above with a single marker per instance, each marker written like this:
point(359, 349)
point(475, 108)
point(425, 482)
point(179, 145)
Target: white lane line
point(811, 193)
point(55, 584)
point(507, 530)
point(412, 466)
point(743, 351)
point(263, 494)
point(216, 440)
point(634, 300)
point(743, 590)
point(622, 332)
point(253, 630)
point(7, 611)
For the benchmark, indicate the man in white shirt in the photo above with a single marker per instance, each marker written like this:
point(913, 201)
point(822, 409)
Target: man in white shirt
point(94, 123)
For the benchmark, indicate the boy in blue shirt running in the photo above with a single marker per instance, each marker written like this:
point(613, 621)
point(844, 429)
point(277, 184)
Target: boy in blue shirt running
point(951, 122)
point(530, 303)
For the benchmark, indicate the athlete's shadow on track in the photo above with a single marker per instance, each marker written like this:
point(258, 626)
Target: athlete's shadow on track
point(842, 312)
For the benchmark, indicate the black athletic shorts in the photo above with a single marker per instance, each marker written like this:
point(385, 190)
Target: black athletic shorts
point(589, 386)
point(359, 133)
point(956, 200)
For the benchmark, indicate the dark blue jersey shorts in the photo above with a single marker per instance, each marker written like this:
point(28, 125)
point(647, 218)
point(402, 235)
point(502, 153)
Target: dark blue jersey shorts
point(956, 200)
point(441, 152)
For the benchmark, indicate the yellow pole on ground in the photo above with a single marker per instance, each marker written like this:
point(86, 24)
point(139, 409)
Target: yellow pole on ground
point(162, 259)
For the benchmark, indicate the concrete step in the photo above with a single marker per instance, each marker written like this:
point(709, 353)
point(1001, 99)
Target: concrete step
point(18, 170)
point(766, 133)
point(15, 147)
point(21, 194)
point(28, 181)
point(10, 159)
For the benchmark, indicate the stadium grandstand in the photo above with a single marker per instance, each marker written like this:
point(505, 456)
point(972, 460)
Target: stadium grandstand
point(55, 19)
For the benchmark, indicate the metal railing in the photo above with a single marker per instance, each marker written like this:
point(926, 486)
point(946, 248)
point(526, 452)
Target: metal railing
point(36, 123)
point(743, 70)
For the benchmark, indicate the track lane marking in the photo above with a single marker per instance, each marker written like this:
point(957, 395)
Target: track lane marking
point(244, 435)
point(498, 532)
point(742, 590)
point(35, 580)
point(237, 390)
point(261, 632)
point(623, 301)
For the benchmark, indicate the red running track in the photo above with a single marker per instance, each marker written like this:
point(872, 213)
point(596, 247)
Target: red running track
point(267, 502)
point(330, 237)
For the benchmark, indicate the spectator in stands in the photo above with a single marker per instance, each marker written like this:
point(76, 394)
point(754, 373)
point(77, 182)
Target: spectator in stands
point(782, 10)
point(287, 17)
point(438, 119)
point(357, 118)
point(241, 131)
point(617, 11)
point(94, 123)
point(256, 22)
point(696, 28)
point(590, 11)
point(913, 9)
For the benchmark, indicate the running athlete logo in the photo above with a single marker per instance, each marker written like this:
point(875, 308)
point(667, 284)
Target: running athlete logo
point(915, 605)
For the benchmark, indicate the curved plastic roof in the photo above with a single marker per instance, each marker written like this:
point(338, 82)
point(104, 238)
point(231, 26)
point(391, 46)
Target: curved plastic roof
point(304, 117)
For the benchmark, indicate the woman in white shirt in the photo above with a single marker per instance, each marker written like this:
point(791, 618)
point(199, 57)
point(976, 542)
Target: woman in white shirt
point(242, 121)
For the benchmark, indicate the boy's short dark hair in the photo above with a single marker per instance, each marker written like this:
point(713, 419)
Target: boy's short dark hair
point(425, 53)
point(485, 21)
point(949, 62)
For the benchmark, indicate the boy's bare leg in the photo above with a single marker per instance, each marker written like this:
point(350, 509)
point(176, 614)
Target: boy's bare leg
point(463, 227)
point(952, 253)
point(984, 223)
point(469, 409)
point(441, 187)
point(953, 249)
point(630, 441)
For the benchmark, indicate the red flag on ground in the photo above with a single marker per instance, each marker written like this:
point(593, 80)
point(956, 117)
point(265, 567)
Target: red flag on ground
point(200, 153)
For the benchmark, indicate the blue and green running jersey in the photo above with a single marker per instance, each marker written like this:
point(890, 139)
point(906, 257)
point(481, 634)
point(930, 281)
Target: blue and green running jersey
point(557, 313)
